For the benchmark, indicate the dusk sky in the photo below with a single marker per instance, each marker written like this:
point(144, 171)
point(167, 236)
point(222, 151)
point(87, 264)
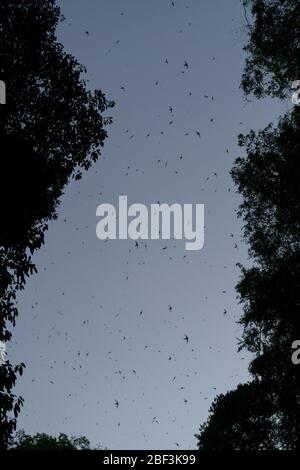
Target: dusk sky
point(103, 323)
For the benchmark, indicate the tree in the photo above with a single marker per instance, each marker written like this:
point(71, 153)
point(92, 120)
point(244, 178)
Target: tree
point(273, 49)
point(242, 419)
point(267, 177)
point(52, 129)
point(42, 441)
point(268, 180)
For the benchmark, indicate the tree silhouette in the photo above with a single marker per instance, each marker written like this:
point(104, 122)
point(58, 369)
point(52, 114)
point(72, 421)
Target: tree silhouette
point(42, 441)
point(51, 129)
point(273, 49)
point(268, 180)
point(242, 419)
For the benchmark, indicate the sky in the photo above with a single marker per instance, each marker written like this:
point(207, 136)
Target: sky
point(101, 326)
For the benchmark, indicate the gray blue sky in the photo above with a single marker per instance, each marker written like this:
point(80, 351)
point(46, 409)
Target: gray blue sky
point(79, 329)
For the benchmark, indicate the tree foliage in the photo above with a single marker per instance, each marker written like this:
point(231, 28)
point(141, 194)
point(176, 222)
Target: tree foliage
point(242, 419)
point(51, 129)
point(273, 48)
point(42, 441)
point(267, 177)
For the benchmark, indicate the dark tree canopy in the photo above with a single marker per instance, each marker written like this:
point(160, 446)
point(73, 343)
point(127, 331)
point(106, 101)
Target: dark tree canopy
point(266, 413)
point(42, 441)
point(273, 49)
point(51, 129)
point(268, 179)
point(242, 419)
